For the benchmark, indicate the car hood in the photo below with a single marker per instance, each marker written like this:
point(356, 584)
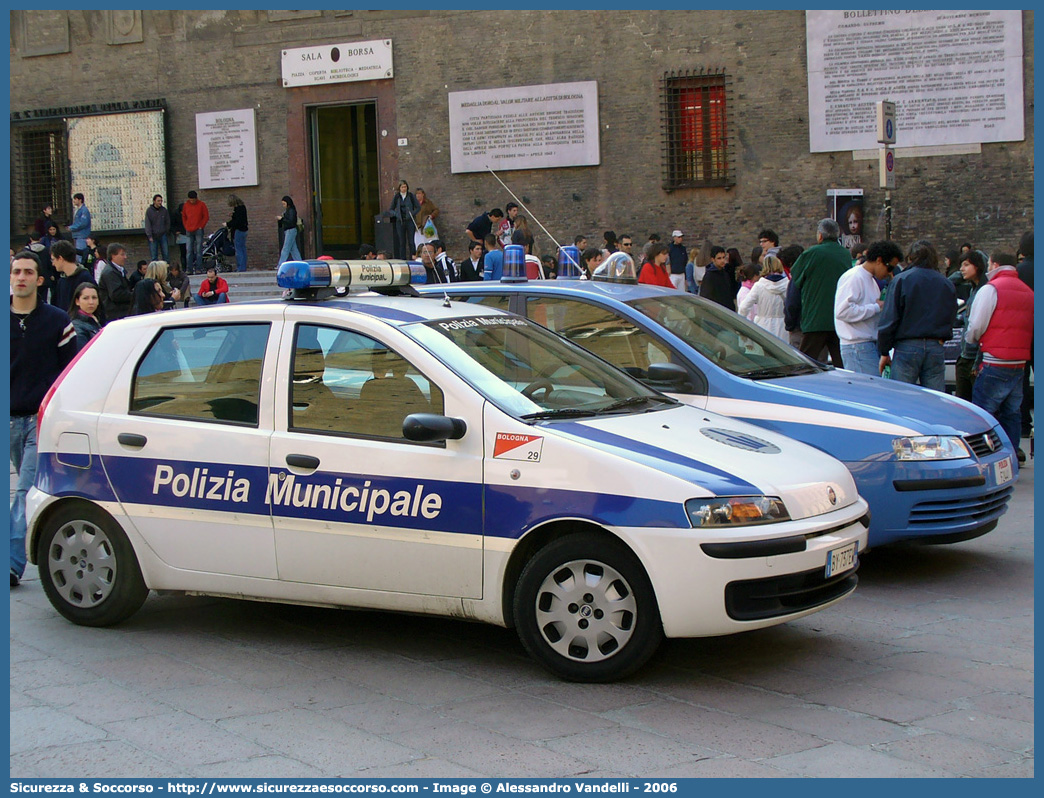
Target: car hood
point(721, 455)
point(840, 398)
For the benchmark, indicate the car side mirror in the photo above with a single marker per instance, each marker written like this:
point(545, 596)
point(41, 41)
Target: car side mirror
point(430, 427)
point(668, 377)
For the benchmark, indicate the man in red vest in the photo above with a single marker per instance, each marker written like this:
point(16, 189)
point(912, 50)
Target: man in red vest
point(1001, 322)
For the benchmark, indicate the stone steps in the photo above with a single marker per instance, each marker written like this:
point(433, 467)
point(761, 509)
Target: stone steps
point(244, 286)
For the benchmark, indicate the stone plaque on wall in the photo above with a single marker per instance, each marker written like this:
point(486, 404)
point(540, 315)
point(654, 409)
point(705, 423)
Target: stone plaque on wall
point(956, 77)
point(226, 148)
point(123, 27)
point(45, 32)
point(524, 127)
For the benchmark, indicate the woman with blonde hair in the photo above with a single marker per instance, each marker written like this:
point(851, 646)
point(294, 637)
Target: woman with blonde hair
point(694, 271)
point(157, 271)
point(767, 295)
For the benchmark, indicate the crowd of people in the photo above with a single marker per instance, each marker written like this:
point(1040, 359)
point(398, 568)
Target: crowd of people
point(187, 225)
point(869, 308)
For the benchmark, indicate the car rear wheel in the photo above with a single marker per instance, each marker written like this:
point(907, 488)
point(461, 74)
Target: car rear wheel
point(88, 567)
point(585, 609)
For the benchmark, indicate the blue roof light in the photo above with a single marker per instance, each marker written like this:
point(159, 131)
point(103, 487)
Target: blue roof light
point(514, 264)
point(569, 263)
point(302, 275)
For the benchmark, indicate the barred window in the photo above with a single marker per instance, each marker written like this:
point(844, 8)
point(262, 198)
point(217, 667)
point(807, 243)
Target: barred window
point(39, 173)
point(696, 143)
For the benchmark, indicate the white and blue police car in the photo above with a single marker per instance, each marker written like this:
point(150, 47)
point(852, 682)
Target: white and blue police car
point(933, 468)
point(394, 453)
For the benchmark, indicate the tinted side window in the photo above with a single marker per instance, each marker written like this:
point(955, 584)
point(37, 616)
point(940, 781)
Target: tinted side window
point(207, 373)
point(601, 331)
point(348, 383)
point(501, 301)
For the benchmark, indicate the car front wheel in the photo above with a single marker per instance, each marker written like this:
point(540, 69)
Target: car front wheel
point(88, 568)
point(584, 608)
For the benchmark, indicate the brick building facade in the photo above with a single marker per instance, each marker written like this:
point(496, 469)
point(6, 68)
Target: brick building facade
point(203, 61)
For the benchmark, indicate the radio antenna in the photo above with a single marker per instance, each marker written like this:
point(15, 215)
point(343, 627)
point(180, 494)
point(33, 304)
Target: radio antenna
point(529, 213)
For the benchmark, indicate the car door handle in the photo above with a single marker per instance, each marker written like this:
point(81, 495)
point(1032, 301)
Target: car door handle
point(302, 461)
point(131, 439)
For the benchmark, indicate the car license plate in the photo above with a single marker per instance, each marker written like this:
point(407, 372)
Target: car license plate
point(841, 559)
point(1002, 471)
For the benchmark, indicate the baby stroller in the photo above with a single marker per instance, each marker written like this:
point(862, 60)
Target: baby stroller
point(218, 252)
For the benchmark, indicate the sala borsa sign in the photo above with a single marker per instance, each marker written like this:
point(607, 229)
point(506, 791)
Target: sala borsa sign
point(337, 63)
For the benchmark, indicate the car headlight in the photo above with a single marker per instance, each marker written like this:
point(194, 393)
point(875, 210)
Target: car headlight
point(930, 447)
point(736, 511)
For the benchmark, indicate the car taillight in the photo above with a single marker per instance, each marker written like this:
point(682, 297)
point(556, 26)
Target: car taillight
point(57, 382)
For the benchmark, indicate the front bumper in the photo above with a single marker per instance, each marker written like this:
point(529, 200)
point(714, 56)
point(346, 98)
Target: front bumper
point(701, 594)
point(940, 502)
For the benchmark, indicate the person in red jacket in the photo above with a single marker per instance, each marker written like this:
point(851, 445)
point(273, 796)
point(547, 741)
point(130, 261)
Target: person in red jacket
point(1001, 322)
point(655, 271)
point(194, 217)
point(213, 290)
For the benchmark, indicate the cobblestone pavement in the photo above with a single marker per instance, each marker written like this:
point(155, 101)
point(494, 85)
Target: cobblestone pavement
point(926, 671)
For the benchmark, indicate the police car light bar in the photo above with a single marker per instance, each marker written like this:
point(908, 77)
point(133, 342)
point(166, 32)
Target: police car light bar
point(569, 263)
point(617, 268)
point(308, 276)
point(514, 264)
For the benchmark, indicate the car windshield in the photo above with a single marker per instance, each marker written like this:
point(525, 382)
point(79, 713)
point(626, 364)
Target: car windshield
point(725, 338)
point(530, 372)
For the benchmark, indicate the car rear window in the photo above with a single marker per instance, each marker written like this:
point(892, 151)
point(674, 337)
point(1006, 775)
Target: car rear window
point(203, 373)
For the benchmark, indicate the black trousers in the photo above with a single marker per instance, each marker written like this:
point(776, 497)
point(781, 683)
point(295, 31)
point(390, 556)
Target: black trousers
point(814, 343)
point(964, 370)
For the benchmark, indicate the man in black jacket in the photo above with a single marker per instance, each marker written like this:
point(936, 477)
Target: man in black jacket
point(482, 225)
point(43, 343)
point(157, 226)
point(471, 269)
point(679, 256)
point(919, 315)
point(114, 289)
point(70, 275)
point(717, 286)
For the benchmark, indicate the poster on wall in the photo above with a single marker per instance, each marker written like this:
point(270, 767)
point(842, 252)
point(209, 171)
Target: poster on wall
point(524, 127)
point(226, 148)
point(118, 162)
point(845, 206)
point(955, 76)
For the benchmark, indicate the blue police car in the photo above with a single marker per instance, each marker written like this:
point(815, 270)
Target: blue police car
point(933, 468)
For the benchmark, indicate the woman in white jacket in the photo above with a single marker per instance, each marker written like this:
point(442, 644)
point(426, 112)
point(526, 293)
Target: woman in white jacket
point(767, 296)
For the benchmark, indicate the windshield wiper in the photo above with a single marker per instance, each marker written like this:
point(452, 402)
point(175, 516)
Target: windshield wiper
point(632, 401)
point(780, 371)
point(564, 412)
